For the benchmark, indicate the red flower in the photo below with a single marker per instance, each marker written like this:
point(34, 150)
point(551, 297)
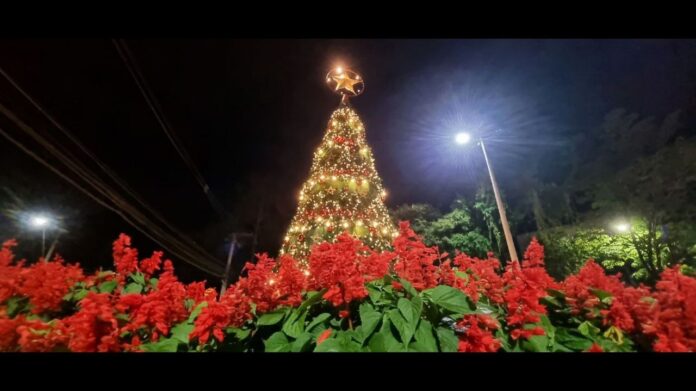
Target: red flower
point(196, 291)
point(595, 348)
point(125, 257)
point(268, 289)
point(232, 310)
point(482, 277)
point(8, 273)
point(526, 285)
point(45, 283)
point(476, 335)
point(415, 261)
point(324, 336)
point(93, 328)
point(8, 334)
point(335, 266)
point(37, 336)
point(375, 265)
point(673, 319)
point(149, 265)
point(158, 310)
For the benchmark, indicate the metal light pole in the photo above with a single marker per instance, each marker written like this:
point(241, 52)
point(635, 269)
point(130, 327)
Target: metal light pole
point(463, 138)
point(501, 207)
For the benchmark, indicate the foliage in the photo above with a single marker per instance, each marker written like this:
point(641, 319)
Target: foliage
point(638, 170)
point(350, 299)
point(471, 228)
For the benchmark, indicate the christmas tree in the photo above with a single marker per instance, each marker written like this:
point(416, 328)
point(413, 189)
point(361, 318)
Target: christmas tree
point(343, 192)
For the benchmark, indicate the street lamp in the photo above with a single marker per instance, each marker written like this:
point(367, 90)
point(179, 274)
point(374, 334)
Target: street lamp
point(463, 138)
point(41, 222)
point(622, 227)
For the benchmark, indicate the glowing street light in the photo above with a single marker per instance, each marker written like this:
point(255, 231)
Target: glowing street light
point(42, 222)
point(622, 227)
point(463, 138)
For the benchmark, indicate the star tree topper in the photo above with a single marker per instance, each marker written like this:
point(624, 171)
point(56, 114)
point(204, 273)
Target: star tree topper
point(345, 82)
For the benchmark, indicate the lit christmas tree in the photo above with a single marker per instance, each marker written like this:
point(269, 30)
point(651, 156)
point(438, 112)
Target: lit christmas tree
point(343, 191)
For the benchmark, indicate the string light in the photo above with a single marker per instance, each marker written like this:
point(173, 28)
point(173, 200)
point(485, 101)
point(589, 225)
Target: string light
point(359, 205)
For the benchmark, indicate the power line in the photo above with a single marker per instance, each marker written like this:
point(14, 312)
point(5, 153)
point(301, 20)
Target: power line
point(154, 105)
point(101, 165)
point(171, 244)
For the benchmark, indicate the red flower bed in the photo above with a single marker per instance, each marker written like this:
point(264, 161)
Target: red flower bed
point(411, 298)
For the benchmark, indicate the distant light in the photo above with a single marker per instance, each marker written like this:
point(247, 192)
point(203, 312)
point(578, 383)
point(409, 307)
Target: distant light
point(339, 70)
point(462, 138)
point(622, 227)
point(39, 221)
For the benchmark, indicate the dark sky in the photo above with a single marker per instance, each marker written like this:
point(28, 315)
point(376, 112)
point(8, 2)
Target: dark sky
point(251, 112)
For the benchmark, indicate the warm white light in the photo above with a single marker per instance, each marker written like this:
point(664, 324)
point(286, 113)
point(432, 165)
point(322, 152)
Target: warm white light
point(462, 138)
point(622, 227)
point(271, 281)
point(306, 272)
point(339, 70)
point(39, 221)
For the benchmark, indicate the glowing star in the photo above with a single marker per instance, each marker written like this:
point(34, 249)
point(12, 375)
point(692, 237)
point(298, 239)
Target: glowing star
point(344, 81)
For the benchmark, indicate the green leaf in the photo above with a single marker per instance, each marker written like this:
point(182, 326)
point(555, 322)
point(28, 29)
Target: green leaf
point(556, 293)
point(277, 342)
point(181, 332)
point(551, 301)
point(168, 345)
point(312, 298)
point(133, 288)
point(301, 343)
point(107, 286)
point(79, 295)
point(154, 282)
point(101, 275)
point(138, 278)
point(450, 299)
point(549, 328)
point(485, 308)
point(369, 319)
point(604, 296)
point(271, 318)
point(408, 287)
point(384, 340)
point(588, 330)
point(317, 320)
point(425, 340)
point(405, 328)
point(448, 341)
point(294, 325)
point(240, 334)
point(196, 311)
point(375, 293)
point(15, 305)
point(338, 345)
point(536, 343)
point(409, 311)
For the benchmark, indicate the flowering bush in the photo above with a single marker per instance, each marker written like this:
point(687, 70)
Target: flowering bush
point(347, 299)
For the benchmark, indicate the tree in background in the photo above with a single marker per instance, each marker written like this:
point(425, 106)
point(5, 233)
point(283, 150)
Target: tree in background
point(639, 171)
point(473, 228)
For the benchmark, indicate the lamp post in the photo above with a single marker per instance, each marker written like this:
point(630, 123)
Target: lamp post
point(41, 222)
point(463, 138)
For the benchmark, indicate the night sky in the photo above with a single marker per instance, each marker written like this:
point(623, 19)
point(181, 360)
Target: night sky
point(251, 112)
